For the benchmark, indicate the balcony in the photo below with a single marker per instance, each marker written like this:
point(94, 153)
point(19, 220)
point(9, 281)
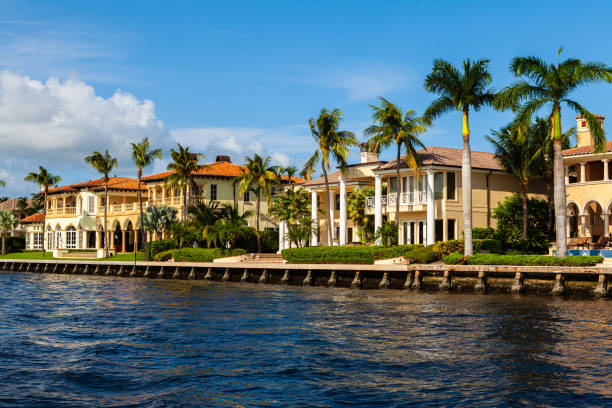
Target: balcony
point(411, 198)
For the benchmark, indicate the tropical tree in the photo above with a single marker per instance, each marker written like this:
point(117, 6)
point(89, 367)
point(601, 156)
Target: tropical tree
point(159, 218)
point(394, 127)
point(184, 163)
point(3, 198)
point(7, 222)
point(460, 91)
point(548, 86)
point(44, 180)
point(37, 203)
point(143, 156)
point(205, 214)
point(290, 172)
point(355, 208)
point(103, 164)
point(22, 204)
point(259, 176)
point(225, 232)
point(520, 154)
point(293, 206)
point(387, 234)
point(330, 141)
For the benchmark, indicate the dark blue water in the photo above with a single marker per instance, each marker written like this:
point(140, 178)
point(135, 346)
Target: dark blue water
point(70, 341)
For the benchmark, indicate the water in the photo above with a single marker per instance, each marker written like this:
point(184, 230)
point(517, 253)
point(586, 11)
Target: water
point(72, 341)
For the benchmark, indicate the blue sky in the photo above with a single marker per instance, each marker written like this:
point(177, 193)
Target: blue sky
point(238, 77)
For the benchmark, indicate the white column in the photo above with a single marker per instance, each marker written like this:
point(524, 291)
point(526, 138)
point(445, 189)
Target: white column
point(567, 170)
point(377, 203)
point(356, 233)
point(431, 218)
point(342, 237)
point(332, 217)
point(281, 236)
point(582, 172)
point(583, 225)
point(286, 233)
point(314, 215)
point(606, 224)
point(605, 170)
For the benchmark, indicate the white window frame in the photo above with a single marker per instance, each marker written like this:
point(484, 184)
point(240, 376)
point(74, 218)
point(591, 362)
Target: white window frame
point(71, 238)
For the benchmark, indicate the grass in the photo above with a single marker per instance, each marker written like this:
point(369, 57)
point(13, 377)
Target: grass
point(36, 256)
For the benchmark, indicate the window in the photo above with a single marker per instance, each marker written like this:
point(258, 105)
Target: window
point(451, 229)
point(404, 184)
point(71, 238)
point(246, 197)
point(450, 185)
point(213, 192)
point(439, 230)
point(337, 198)
point(392, 184)
point(91, 205)
point(439, 186)
point(37, 237)
point(421, 183)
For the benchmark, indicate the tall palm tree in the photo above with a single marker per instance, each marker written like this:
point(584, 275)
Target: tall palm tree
point(394, 127)
point(143, 157)
point(184, 163)
point(7, 222)
point(460, 91)
point(548, 86)
point(103, 164)
point(22, 204)
point(44, 179)
point(258, 176)
point(520, 154)
point(329, 140)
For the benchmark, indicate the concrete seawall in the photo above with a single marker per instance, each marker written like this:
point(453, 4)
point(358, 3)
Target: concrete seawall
point(554, 280)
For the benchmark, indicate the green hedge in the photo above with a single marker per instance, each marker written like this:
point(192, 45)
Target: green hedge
point(203, 254)
point(155, 247)
point(357, 254)
point(454, 246)
point(527, 260)
point(163, 256)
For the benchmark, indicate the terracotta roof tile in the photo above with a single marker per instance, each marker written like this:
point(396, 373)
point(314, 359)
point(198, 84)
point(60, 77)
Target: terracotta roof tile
point(446, 156)
point(114, 183)
point(585, 149)
point(34, 218)
point(11, 204)
point(331, 177)
point(217, 169)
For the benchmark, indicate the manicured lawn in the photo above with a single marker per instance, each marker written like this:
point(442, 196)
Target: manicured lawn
point(49, 256)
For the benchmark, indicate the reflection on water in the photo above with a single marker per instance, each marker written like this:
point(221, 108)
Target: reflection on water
point(105, 341)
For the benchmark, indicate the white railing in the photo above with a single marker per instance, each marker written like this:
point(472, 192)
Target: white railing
point(410, 198)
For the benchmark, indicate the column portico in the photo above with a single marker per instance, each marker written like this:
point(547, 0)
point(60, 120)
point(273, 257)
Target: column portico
point(431, 219)
point(314, 215)
point(377, 203)
point(606, 217)
point(605, 169)
point(281, 236)
point(582, 172)
point(342, 237)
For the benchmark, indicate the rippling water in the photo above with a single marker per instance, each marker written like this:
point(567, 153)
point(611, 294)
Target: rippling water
point(105, 341)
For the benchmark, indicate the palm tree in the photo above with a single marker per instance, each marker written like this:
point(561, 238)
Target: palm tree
point(143, 157)
point(205, 214)
point(329, 141)
point(290, 171)
point(226, 231)
point(22, 204)
point(520, 154)
point(392, 126)
point(543, 85)
point(7, 222)
point(158, 218)
point(258, 176)
point(460, 91)
point(103, 164)
point(184, 164)
point(44, 179)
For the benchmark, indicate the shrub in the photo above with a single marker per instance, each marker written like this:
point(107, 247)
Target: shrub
point(483, 233)
point(387, 234)
point(203, 254)
point(163, 256)
point(354, 254)
point(423, 255)
point(155, 247)
point(444, 248)
point(526, 260)
point(452, 259)
point(15, 244)
point(269, 241)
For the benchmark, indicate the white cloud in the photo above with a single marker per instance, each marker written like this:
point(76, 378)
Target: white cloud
point(284, 145)
point(56, 123)
point(366, 82)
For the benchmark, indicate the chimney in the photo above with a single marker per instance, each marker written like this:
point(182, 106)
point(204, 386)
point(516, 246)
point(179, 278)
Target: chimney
point(221, 158)
point(583, 133)
point(366, 155)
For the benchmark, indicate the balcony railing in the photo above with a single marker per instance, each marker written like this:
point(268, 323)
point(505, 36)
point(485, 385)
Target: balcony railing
point(411, 198)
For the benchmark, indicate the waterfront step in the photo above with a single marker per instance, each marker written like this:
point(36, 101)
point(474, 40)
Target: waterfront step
point(266, 258)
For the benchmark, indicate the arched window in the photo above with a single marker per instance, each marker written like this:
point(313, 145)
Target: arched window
point(50, 239)
point(71, 238)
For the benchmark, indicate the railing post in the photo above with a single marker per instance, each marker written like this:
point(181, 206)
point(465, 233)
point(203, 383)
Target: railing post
point(177, 273)
point(192, 274)
point(147, 273)
point(357, 282)
point(160, 275)
point(265, 276)
point(481, 282)
point(209, 274)
point(226, 275)
point(417, 284)
point(333, 279)
point(134, 272)
point(447, 282)
point(245, 275)
point(409, 278)
point(120, 273)
point(109, 271)
point(384, 281)
point(286, 277)
point(308, 279)
point(518, 286)
point(559, 288)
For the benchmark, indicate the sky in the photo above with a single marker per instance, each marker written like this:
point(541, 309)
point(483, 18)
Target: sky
point(239, 77)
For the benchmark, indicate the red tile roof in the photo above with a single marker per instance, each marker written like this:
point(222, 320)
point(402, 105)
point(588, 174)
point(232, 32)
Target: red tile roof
point(114, 183)
point(446, 156)
point(11, 204)
point(331, 177)
point(585, 150)
point(33, 219)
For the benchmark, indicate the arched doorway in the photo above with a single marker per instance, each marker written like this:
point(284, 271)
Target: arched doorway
point(117, 238)
point(593, 219)
point(129, 237)
point(573, 215)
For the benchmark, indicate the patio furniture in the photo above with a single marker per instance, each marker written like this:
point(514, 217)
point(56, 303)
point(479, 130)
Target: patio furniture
point(579, 243)
point(601, 242)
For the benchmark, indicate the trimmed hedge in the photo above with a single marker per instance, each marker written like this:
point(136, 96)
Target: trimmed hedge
point(203, 254)
point(454, 246)
point(160, 246)
point(526, 260)
point(365, 255)
point(163, 256)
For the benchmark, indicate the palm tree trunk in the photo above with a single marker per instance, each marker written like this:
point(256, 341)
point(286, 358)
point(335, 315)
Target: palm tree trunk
point(466, 182)
point(559, 184)
point(105, 218)
point(549, 197)
point(397, 186)
point(330, 224)
point(524, 200)
point(257, 209)
point(44, 222)
point(142, 228)
point(4, 243)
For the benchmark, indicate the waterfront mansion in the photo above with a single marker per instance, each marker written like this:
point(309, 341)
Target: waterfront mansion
point(75, 212)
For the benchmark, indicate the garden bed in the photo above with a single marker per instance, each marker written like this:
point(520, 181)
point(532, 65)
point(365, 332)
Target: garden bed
point(522, 260)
